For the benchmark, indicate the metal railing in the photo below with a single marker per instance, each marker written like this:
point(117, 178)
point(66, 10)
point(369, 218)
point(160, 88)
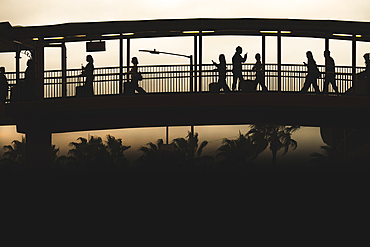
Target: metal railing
point(176, 79)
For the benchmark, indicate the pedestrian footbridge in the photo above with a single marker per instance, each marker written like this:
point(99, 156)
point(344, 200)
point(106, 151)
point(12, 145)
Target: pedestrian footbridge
point(176, 94)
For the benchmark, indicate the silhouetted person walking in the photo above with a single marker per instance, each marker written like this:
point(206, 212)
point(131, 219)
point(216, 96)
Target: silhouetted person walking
point(88, 72)
point(221, 68)
point(312, 75)
point(329, 73)
point(260, 77)
point(365, 75)
point(3, 85)
point(363, 78)
point(135, 78)
point(29, 88)
point(237, 67)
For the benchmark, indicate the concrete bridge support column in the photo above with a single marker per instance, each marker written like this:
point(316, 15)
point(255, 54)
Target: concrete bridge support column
point(38, 141)
point(38, 147)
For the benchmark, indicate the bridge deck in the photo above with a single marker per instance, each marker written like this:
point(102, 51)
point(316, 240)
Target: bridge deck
point(109, 112)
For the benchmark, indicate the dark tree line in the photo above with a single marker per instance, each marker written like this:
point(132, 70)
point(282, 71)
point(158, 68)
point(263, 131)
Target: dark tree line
point(181, 154)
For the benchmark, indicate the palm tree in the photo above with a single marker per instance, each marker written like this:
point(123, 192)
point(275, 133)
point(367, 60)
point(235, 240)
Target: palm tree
point(188, 149)
point(277, 137)
point(151, 153)
point(92, 152)
point(16, 151)
point(236, 152)
point(326, 159)
point(154, 157)
point(115, 149)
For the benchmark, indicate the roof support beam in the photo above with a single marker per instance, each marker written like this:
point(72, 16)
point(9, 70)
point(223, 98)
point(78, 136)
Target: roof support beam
point(354, 64)
point(120, 64)
point(64, 69)
point(279, 59)
point(195, 63)
point(200, 61)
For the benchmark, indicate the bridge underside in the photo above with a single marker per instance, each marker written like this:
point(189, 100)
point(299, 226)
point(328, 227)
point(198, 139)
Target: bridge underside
point(111, 112)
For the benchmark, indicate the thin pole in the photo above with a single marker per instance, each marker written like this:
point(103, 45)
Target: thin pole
point(127, 57)
point(64, 70)
point(195, 62)
point(279, 59)
point(191, 74)
point(200, 60)
point(17, 63)
point(167, 130)
point(354, 64)
point(120, 64)
point(326, 49)
point(326, 44)
point(263, 55)
point(326, 59)
point(40, 68)
point(128, 54)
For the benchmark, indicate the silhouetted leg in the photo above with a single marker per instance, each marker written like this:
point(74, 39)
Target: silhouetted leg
point(326, 87)
point(334, 87)
point(306, 85)
point(224, 87)
point(261, 81)
point(235, 81)
point(140, 90)
point(315, 86)
point(241, 81)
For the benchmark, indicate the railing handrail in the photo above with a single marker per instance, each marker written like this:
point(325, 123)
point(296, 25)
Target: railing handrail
point(184, 65)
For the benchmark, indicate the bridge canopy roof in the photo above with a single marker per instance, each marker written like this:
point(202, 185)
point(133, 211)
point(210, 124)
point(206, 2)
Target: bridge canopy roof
point(88, 31)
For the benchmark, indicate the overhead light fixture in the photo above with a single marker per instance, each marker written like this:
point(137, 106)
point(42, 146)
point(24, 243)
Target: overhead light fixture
point(125, 34)
point(342, 35)
point(110, 35)
point(80, 35)
point(35, 39)
point(268, 31)
point(285, 32)
point(190, 31)
point(52, 38)
point(206, 31)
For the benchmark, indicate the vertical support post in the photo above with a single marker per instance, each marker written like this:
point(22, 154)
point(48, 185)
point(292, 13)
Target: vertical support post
point(326, 49)
point(64, 70)
point(191, 74)
point(128, 53)
point(327, 44)
point(120, 64)
point(263, 57)
point(354, 64)
point(127, 59)
point(40, 69)
point(326, 62)
point(167, 134)
point(279, 59)
point(195, 62)
point(17, 63)
point(200, 60)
